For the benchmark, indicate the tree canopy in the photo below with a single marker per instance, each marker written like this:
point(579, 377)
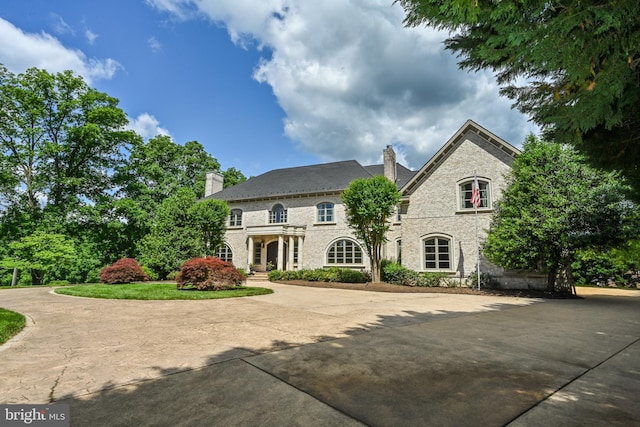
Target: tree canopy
point(70, 167)
point(554, 205)
point(369, 203)
point(573, 65)
point(59, 143)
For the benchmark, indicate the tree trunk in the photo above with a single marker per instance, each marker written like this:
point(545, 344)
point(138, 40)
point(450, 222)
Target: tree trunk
point(14, 279)
point(551, 279)
point(564, 280)
point(37, 276)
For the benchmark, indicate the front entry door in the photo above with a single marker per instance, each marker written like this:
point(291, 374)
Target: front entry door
point(272, 254)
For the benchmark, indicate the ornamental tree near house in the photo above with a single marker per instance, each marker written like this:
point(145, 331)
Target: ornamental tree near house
point(369, 203)
point(553, 206)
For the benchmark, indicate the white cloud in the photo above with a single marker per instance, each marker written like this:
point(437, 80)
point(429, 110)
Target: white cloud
point(147, 126)
point(60, 26)
point(90, 35)
point(154, 44)
point(351, 79)
point(20, 50)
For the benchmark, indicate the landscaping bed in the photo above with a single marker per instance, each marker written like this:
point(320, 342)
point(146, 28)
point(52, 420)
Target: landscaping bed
point(462, 290)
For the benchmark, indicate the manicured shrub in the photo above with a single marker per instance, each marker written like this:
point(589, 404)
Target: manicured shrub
point(209, 274)
point(431, 280)
point(125, 270)
point(151, 273)
point(344, 275)
point(486, 281)
point(173, 275)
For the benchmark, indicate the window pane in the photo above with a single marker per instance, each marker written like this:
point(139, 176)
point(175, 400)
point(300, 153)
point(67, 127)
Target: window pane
point(344, 252)
point(437, 253)
point(466, 192)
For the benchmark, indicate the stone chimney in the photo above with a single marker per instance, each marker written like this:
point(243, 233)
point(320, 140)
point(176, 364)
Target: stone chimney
point(390, 168)
point(213, 184)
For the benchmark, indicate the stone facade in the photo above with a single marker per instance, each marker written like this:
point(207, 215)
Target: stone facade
point(436, 230)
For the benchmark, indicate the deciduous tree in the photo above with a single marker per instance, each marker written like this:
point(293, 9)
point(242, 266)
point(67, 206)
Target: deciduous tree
point(210, 218)
point(369, 203)
point(554, 205)
point(39, 253)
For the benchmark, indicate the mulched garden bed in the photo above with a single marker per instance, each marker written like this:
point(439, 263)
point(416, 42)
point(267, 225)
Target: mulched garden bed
point(388, 287)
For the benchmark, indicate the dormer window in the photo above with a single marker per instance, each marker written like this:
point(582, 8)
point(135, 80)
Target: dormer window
point(277, 214)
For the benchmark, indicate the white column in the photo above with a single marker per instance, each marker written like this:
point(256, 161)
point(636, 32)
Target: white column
point(250, 253)
point(300, 245)
point(291, 252)
point(280, 258)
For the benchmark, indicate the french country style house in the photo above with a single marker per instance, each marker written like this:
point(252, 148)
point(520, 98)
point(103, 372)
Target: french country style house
point(294, 218)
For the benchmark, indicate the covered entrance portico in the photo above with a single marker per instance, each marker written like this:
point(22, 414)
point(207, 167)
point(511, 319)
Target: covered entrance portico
point(276, 246)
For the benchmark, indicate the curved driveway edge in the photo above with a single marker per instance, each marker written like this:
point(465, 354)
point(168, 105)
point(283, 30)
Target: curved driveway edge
point(308, 356)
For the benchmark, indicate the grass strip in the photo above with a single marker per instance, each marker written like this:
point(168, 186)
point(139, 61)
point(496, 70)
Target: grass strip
point(155, 291)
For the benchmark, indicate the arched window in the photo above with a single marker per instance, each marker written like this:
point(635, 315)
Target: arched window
point(344, 252)
point(277, 214)
point(225, 253)
point(466, 194)
point(437, 253)
point(325, 212)
point(235, 219)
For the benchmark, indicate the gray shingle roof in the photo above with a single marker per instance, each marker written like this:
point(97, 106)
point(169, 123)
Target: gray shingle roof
point(298, 181)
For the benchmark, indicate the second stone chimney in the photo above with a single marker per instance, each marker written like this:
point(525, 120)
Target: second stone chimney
point(213, 184)
point(390, 168)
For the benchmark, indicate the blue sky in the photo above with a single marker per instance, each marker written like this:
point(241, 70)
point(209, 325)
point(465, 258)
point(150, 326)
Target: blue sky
point(264, 84)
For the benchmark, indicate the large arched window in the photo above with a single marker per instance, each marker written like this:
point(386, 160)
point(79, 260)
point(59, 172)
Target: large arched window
point(344, 252)
point(235, 219)
point(225, 253)
point(325, 212)
point(277, 214)
point(437, 253)
point(466, 194)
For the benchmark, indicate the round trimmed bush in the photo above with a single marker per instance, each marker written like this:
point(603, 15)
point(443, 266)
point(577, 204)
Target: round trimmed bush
point(125, 270)
point(209, 274)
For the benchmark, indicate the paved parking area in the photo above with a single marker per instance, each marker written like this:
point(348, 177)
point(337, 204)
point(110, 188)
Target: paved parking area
point(309, 356)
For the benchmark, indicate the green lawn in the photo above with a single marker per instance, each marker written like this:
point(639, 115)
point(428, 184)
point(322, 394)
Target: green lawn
point(10, 324)
point(155, 291)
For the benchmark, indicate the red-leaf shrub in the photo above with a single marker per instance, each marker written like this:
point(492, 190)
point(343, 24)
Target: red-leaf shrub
point(208, 274)
point(125, 270)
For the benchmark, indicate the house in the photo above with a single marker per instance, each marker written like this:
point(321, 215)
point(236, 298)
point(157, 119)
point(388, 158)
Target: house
point(294, 218)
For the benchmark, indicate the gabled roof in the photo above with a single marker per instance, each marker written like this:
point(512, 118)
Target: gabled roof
point(305, 180)
point(403, 174)
point(469, 129)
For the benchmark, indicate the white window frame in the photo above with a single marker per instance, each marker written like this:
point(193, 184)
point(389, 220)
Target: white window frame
point(352, 253)
point(235, 218)
point(464, 195)
point(274, 218)
point(325, 212)
point(437, 253)
point(226, 252)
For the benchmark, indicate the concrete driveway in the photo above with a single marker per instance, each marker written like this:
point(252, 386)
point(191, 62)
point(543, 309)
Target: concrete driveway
point(318, 357)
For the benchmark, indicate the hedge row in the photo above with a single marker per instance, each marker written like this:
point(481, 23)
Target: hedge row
point(344, 275)
point(393, 272)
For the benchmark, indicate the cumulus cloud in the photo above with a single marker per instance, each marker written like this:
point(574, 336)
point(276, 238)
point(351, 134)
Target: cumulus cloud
point(147, 126)
point(351, 79)
point(20, 50)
